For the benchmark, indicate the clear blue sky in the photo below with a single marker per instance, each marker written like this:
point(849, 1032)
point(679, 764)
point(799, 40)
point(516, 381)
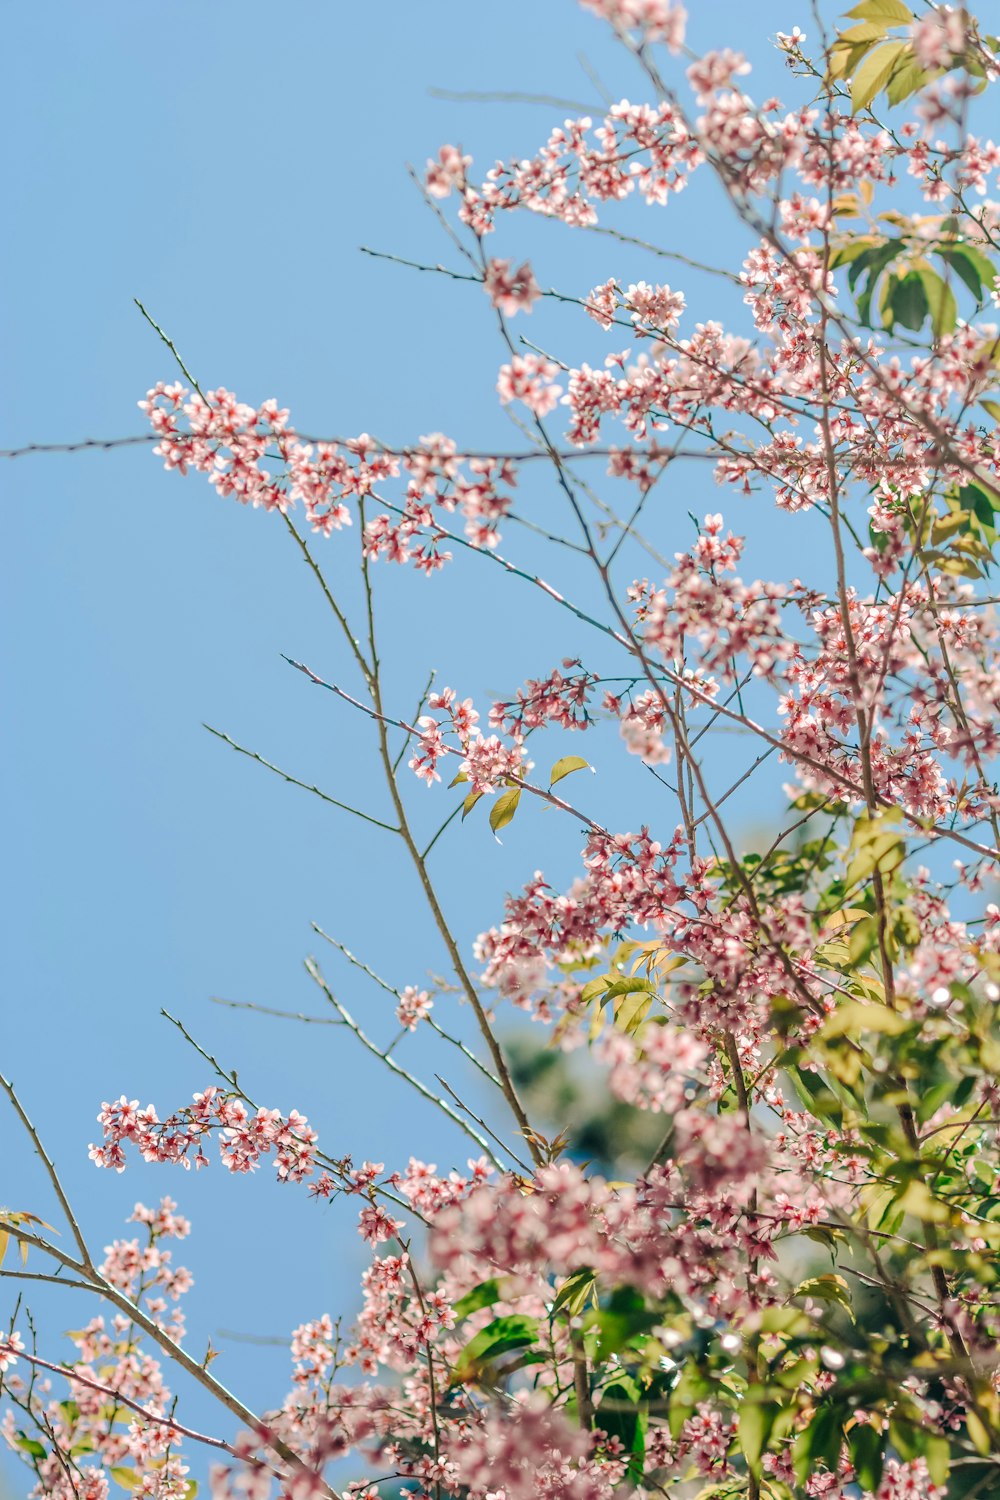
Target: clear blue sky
point(224, 163)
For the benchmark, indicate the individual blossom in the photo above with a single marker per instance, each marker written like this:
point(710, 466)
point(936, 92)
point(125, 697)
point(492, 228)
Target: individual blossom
point(938, 37)
point(511, 291)
point(11, 1345)
point(716, 71)
point(447, 173)
point(654, 307)
point(489, 763)
point(602, 302)
point(414, 1006)
point(643, 724)
point(658, 20)
point(375, 1225)
point(528, 378)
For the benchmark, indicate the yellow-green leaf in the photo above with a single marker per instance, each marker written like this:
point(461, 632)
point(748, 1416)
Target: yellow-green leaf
point(907, 77)
point(873, 74)
point(567, 766)
point(868, 31)
point(918, 1200)
point(573, 1294)
point(828, 1288)
point(844, 58)
point(504, 808)
point(631, 1011)
point(851, 1017)
point(894, 12)
point(469, 804)
point(937, 1453)
point(978, 1432)
point(876, 845)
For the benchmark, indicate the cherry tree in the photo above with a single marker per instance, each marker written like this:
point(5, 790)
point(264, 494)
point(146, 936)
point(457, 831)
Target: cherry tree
point(796, 1294)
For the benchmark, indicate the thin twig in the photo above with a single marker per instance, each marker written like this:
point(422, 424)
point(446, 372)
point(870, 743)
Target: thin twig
point(294, 781)
point(314, 972)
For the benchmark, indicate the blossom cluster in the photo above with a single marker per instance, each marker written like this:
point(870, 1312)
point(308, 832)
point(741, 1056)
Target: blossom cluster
point(244, 1136)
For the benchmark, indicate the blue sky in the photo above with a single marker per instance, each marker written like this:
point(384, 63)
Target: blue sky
point(224, 163)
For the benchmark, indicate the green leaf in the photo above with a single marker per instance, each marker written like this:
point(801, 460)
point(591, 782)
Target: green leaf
point(847, 255)
point(865, 1445)
point(513, 1332)
point(755, 1422)
point(567, 766)
point(622, 1415)
point(893, 12)
point(874, 264)
point(594, 987)
point(930, 1102)
point(908, 303)
point(625, 1318)
point(572, 1295)
point(819, 1443)
point(906, 927)
point(940, 301)
point(864, 936)
point(790, 1322)
point(906, 1439)
point(690, 1388)
point(817, 1096)
point(31, 1446)
point(968, 266)
point(483, 1295)
point(983, 505)
point(886, 297)
point(874, 260)
point(873, 74)
point(127, 1478)
point(504, 809)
